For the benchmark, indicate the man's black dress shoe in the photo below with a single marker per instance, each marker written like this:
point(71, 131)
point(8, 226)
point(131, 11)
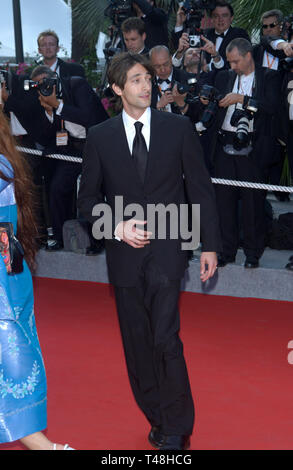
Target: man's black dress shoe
point(223, 260)
point(176, 443)
point(156, 438)
point(291, 259)
point(251, 263)
point(54, 245)
point(163, 442)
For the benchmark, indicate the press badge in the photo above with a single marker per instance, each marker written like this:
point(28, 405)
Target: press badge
point(61, 138)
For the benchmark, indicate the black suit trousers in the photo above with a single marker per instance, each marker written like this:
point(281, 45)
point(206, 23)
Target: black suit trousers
point(252, 213)
point(149, 322)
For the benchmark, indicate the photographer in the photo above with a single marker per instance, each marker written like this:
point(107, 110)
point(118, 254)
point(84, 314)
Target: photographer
point(165, 96)
point(244, 149)
point(155, 20)
point(71, 113)
point(222, 33)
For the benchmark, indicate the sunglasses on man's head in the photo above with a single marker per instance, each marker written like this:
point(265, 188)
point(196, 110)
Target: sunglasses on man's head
point(272, 25)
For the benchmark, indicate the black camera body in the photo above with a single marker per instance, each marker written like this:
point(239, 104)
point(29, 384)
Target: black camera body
point(240, 119)
point(45, 86)
point(118, 11)
point(211, 94)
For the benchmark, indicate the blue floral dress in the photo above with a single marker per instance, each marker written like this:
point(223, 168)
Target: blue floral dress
point(23, 388)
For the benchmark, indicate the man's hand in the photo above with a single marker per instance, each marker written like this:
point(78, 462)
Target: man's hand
point(166, 98)
point(209, 46)
point(231, 98)
point(208, 265)
point(178, 98)
point(133, 236)
point(4, 92)
point(287, 48)
point(182, 46)
point(180, 17)
point(45, 105)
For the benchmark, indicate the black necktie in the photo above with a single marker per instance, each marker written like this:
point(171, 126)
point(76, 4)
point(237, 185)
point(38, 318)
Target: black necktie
point(162, 80)
point(221, 35)
point(139, 150)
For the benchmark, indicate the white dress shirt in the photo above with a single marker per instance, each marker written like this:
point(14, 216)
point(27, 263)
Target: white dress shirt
point(130, 131)
point(129, 127)
point(243, 86)
point(164, 86)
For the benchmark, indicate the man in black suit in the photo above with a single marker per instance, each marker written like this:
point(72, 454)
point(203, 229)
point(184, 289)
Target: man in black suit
point(271, 53)
point(250, 162)
point(73, 114)
point(165, 96)
point(142, 155)
point(221, 34)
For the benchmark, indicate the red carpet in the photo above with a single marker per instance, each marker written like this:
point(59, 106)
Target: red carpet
point(236, 351)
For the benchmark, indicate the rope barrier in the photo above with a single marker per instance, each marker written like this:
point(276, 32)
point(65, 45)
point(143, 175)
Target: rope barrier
point(242, 184)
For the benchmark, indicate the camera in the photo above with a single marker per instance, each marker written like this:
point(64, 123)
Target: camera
point(194, 10)
point(241, 119)
point(211, 94)
point(118, 11)
point(4, 77)
point(287, 29)
point(45, 86)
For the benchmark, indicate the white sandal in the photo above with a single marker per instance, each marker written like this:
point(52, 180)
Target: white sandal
point(66, 447)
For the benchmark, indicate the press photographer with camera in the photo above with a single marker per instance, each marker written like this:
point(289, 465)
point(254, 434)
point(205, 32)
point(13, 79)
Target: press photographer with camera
point(271, 51)
point(71, 110)
point(222, 33)
point(244, 149)
point(165, 95)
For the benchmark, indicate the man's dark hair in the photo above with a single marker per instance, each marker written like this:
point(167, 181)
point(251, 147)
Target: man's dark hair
point(221, 4)
point(133, 24)
point(40, 70)
point(243, 46)
point(122, 63)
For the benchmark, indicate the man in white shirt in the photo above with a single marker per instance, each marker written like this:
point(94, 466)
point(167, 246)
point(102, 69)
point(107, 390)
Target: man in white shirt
point(142, 155)
point(251, 161)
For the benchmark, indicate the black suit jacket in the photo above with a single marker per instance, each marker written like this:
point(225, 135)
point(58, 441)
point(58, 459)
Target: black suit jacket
point(70, 69)
point(81, 104)
point(109, 171)
point(267, 93)
point(258, 53)
point(156, 24)
point(231, 34)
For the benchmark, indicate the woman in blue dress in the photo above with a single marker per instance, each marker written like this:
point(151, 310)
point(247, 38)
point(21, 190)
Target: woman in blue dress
point(23, 391)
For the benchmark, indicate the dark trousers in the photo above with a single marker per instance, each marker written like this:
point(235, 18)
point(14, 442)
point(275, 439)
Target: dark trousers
point(241, 168)
point(290, 151)
point(61, 194)
point(149, 322)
